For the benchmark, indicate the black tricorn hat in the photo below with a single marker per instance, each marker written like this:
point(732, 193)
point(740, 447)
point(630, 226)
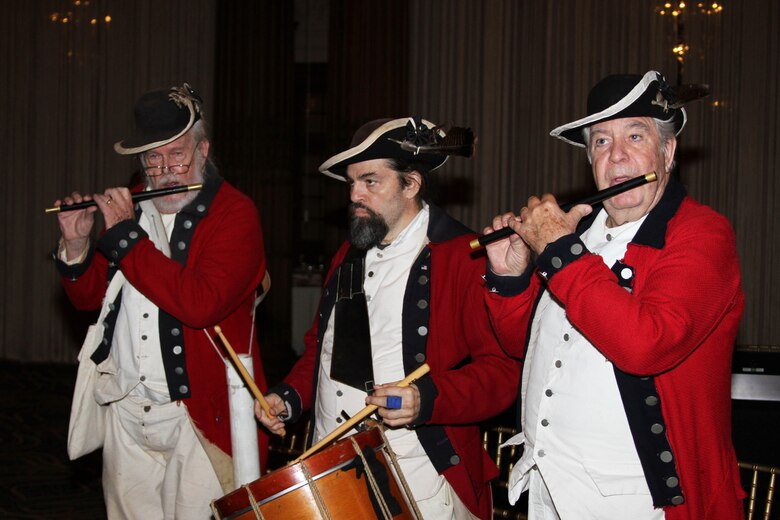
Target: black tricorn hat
point(627, 95)
point(161, 116)
point(411, 139)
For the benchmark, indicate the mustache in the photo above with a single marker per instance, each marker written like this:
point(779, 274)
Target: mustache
point(169, 179)
point(357, 205)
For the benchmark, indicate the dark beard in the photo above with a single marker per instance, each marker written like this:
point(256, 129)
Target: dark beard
point(366, 232)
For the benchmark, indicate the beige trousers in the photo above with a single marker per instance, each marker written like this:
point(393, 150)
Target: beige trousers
point(444, 505)
point(154, 466)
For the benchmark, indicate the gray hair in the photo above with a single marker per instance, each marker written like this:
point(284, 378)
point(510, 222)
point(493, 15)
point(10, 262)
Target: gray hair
point(198, 133)
point(665, 130)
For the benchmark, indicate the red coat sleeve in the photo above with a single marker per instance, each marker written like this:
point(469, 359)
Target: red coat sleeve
point(681, 294)
point(226, 264)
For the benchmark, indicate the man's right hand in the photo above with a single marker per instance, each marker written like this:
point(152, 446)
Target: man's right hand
point(508, 257)
point(76, 225)
point(276, 405)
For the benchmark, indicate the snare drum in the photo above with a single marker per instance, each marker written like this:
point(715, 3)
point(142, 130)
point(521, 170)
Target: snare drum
point(353, 478)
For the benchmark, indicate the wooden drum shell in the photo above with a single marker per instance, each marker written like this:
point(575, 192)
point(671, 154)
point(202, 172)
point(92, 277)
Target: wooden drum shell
point(288, 493)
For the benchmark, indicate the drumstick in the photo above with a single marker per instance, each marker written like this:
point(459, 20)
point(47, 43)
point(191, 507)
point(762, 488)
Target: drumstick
point(368, 410)
point(245, 375)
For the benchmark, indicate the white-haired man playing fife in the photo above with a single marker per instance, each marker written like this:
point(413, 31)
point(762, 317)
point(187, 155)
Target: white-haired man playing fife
point(625, 321)
point(190, 261)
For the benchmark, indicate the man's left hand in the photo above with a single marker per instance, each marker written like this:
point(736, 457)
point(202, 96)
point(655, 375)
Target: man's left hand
point(395, 417)
point(542, 221)
point(116, 204)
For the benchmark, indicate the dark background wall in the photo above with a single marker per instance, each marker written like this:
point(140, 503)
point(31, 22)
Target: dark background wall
point(286, 84)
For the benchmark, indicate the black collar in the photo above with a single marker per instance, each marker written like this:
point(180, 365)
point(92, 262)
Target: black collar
point(442, 227)
point(652, 232)
point(200, 204)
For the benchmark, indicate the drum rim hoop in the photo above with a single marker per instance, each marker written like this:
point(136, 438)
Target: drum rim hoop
point(370, 435)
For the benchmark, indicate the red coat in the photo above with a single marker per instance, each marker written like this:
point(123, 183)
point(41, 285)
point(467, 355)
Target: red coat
point(458, 330)
point(225, 263)
point(678, 324)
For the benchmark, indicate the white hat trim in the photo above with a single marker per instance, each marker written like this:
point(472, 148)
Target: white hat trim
point(367, 142)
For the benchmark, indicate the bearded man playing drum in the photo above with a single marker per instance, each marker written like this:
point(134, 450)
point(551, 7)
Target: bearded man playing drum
point(402, 291)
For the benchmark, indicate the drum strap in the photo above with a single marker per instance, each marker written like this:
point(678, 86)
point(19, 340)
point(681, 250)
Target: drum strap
point(377, 482)
point(400, 474)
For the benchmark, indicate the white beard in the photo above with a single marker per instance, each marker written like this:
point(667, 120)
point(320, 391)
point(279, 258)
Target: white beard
point(166, 206)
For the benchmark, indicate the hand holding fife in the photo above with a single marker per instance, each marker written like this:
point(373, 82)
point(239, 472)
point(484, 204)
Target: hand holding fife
point(507, 257)
point(542, 221)
point(599, 196)
point(116, 205)
point(75, 226)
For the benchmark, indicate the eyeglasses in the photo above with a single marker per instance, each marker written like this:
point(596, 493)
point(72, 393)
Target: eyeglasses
point(173, 169)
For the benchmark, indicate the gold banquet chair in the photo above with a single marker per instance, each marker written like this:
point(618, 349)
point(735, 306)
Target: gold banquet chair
point(762, 484)
point(492, 438)
point(282, 450)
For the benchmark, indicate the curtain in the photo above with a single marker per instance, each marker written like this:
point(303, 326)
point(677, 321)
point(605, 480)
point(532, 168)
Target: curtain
point(253, 139)
point(66, 95)
point(513, 71)
point(367, 65)
point(510, 70)
point(367, 79)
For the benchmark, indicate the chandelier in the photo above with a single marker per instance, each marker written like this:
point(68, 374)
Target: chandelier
point(677, 11)
point(78, 14)
point(680, 13)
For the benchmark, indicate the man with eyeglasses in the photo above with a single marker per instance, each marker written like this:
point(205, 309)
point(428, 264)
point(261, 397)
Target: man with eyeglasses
point(190, 261)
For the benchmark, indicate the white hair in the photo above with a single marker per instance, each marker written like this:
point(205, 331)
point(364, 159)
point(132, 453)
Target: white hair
point(199, 131)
